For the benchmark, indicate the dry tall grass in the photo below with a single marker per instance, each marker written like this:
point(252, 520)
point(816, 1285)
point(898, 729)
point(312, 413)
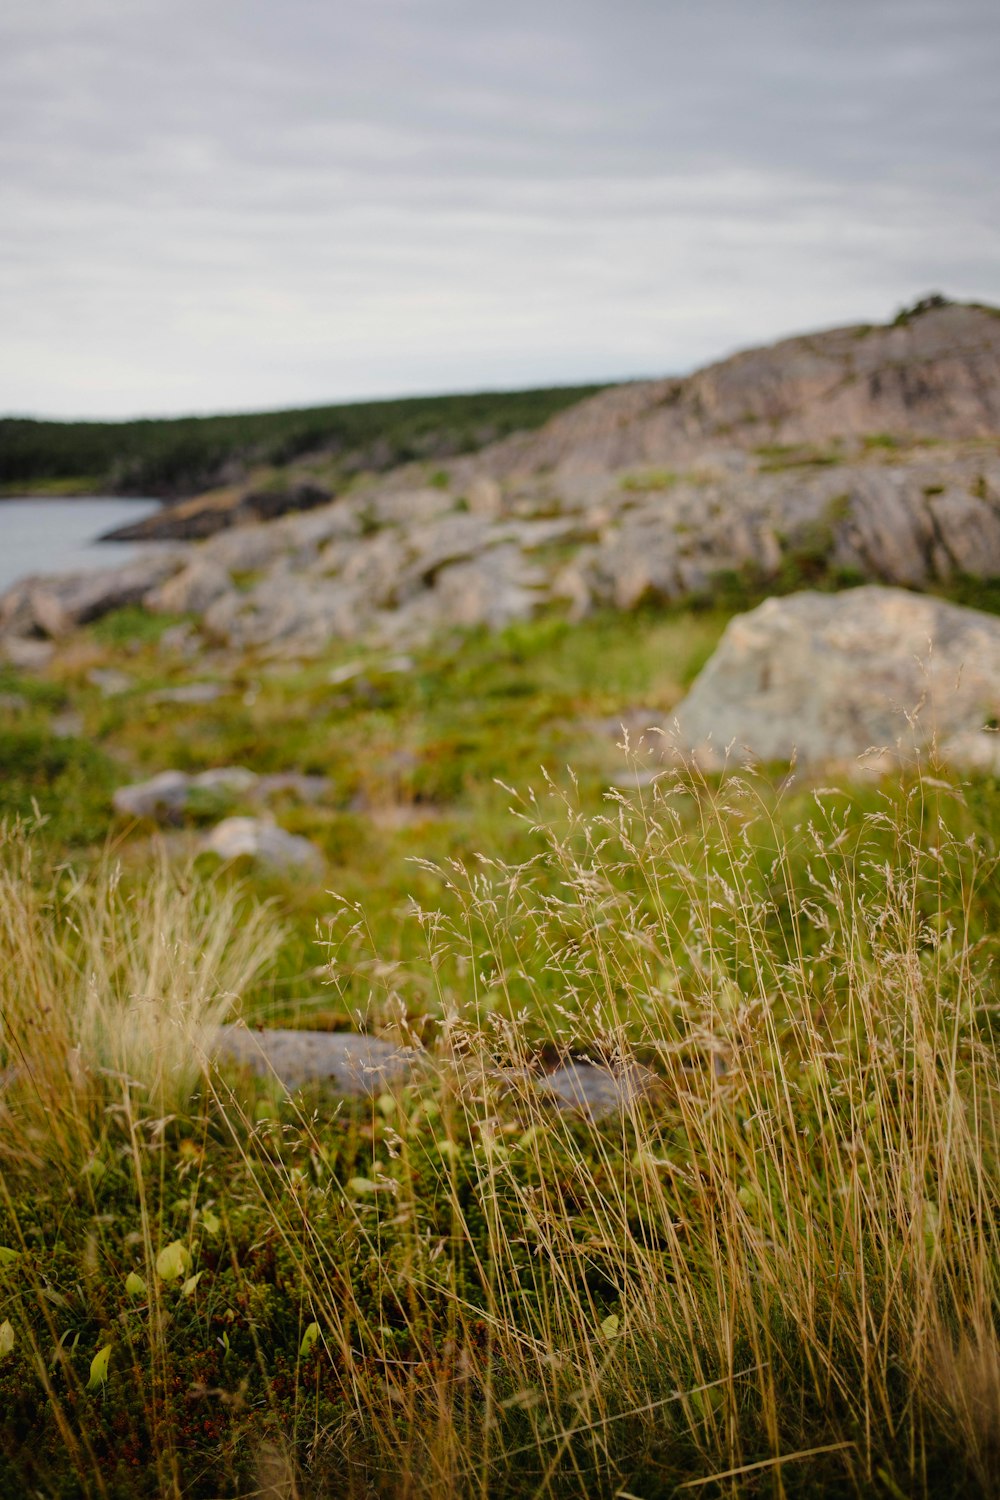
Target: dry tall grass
point(106, 982)
point(796, 1231)
point(777, 1271)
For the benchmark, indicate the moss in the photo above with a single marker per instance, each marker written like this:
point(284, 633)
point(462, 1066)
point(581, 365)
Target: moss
point(67, 781)
point(132, 625)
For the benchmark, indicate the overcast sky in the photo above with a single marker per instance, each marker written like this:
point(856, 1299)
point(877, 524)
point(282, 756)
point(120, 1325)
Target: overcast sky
point(229, 204)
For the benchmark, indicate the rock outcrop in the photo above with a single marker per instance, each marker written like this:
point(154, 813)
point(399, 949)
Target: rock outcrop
point(860, 454)
point(870, 677)
point(53, 605)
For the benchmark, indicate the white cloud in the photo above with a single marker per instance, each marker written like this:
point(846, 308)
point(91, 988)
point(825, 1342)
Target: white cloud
point(232, 204)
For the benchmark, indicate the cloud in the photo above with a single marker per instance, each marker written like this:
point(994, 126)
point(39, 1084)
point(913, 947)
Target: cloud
point(232, 204)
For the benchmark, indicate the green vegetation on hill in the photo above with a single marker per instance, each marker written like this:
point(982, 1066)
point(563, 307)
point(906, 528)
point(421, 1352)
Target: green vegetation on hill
point(182, 455)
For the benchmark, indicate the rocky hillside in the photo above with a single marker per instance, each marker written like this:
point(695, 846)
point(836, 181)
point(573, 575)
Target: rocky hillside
point(862, 453)
point(932, 374)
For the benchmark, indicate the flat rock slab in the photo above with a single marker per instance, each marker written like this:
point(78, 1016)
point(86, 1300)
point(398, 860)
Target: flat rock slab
point(359, 1066)
point(350, 1064)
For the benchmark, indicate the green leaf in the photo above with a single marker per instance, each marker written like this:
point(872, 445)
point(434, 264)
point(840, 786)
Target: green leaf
point(309, 1338)
point(134, 1285)
point(187, 1290)
point(6, 1338)
point(211, 1221)
point(8, 1258)
point(173, 1261)
point(610, 1326)
point(708, 1399)
point(99, 1368)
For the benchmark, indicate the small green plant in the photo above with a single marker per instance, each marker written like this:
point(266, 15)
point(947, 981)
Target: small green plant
point(132, 625)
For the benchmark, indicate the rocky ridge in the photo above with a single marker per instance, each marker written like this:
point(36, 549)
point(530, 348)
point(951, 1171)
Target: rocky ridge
point(857, 454)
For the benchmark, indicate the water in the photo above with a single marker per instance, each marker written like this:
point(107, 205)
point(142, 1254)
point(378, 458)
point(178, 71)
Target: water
point(60, 536)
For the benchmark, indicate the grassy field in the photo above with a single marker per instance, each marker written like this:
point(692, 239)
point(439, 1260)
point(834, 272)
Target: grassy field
point(776, 1273)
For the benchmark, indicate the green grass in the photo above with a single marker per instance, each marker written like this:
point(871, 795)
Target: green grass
point(784, 1262)
point(64, 781)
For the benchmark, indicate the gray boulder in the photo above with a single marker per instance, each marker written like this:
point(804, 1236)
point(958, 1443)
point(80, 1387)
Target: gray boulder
point(264, 842)
point(167, 796)
point(871, 672)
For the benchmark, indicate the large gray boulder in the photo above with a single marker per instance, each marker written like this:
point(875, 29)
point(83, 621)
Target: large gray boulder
point(872, 672)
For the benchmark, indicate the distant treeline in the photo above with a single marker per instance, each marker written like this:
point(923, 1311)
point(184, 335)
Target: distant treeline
point(179, 456)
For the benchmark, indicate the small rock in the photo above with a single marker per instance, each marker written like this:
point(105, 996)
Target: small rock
point(189, 692)
point(162, 797)
point(26, 653)
point(263, 841)
point(166, 796)
point(110, 682)
point(67, 726)
point(235, 781)
point(350, 1064)
point(597, 1091)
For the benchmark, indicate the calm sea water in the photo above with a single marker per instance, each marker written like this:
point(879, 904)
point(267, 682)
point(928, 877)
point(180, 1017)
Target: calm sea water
point(60, 536)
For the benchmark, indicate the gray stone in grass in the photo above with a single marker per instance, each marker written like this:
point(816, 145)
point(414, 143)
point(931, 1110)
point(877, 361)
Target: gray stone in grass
point(67, 725)
point(347, 1063)
point(596, 1091)
point(166, 796)
point(109, 682)
point(160, 797)
point(27, 653)
point(264, 842)
point(189, 692)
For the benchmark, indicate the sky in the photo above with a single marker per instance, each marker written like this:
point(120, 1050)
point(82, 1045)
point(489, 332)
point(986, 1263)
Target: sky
point(213, 205)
